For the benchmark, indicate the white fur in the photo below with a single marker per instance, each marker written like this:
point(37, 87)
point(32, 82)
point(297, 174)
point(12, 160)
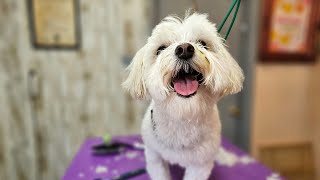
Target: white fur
point(184, 131)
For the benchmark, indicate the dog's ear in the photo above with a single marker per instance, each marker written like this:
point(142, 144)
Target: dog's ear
point(230, 75)
point(135, 82)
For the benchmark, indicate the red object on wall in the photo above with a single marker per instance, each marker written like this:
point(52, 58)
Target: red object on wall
point(288, 30)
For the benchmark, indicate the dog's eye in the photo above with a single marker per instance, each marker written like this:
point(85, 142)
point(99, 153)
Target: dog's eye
point(163, 47)
point(204, 44)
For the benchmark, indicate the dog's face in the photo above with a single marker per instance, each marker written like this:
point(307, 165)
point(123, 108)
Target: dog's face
point(182, 59)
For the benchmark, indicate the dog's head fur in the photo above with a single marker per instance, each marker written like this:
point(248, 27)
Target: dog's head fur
point(158, 70)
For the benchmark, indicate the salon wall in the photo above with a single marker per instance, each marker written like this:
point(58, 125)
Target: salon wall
point(286, 110)
point(314, 98)
point(281, 109)
point(285, 123)
point(52, 100)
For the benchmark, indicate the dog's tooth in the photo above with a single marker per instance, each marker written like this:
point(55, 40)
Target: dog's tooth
point(174, 74)
point(186, 68)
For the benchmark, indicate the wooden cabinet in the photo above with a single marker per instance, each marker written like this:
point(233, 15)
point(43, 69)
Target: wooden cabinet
point(294, 161)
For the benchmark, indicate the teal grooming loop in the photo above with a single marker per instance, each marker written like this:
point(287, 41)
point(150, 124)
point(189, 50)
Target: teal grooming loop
point(235, 2)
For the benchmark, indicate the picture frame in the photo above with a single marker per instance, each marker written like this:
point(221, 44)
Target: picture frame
point(54, 24)
point(288, 30)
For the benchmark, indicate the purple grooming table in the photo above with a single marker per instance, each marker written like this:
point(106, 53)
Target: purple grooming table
point(232, 164)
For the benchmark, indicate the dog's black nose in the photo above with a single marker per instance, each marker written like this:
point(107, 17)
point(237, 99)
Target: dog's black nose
point(184, 51)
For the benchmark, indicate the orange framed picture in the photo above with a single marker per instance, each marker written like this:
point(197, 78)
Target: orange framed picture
point(288, 30)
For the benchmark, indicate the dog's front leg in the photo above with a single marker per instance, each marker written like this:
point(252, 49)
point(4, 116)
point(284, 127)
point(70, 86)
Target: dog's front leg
point(198, 172)
point(157, 168)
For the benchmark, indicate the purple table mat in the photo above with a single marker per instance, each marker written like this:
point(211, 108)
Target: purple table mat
point(232, 164)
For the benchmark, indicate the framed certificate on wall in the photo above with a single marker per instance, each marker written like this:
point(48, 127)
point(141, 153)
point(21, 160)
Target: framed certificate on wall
point(54, 23)
point(288, 30)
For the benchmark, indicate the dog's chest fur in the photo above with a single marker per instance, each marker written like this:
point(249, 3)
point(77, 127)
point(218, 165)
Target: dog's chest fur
point(176, 133)
point(181, 140)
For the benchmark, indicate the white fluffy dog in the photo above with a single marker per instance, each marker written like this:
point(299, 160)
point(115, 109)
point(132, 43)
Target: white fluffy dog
point(185, 68)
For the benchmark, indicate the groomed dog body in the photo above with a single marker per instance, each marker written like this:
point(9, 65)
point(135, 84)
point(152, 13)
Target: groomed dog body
point(185, 69)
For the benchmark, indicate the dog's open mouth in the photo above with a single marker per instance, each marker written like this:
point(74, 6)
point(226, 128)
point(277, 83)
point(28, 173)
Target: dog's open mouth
point(186, 84)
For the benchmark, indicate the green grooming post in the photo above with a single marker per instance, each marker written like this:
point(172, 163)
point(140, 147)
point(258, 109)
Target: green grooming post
point(235, 2)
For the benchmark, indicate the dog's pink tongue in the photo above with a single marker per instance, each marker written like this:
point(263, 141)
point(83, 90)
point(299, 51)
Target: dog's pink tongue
point(186, 86)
